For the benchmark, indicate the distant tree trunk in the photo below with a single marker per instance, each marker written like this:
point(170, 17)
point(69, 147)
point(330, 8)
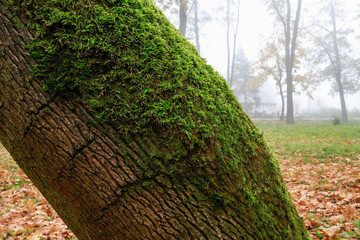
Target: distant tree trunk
point(235, 44)
point(228, 41)
point(196, 25)
point(130, 135)
point(344, 114)
point(282, 114)
point(279, 82)
point(290, 65)
point(290, 47)
point(338, 69)
point(183, 16)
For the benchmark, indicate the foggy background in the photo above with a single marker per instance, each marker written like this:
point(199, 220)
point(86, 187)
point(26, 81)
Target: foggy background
point(258, 24)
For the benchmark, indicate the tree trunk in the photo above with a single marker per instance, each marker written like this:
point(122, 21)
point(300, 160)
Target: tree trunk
point(338, 68)
point(127, 132)
point(235, 44)
point(289, 76)
point(290, 57)
point(290, 63)
point(196, 25)
point(279, 82)
point(183, 16)
point(282, 102)
point(344, 115)
point(228, 41)
point(290, 47)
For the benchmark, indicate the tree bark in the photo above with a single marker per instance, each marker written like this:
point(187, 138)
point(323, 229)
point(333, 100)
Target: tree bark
point(108, 179)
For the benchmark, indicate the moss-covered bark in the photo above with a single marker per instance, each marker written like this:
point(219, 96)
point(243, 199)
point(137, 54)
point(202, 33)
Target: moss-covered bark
point(129, 133)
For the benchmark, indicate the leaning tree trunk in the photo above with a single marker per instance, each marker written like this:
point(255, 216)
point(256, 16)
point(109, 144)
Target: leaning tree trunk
point(127, 132)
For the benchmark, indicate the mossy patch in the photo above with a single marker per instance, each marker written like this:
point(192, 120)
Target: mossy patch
point(139, 75)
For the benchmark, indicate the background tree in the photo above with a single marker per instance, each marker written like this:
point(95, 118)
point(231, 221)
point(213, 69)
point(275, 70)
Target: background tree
point(127, 132)
point(272, 66)
point(182, 11)
point(183, 8)
point(232, 21)
point(244, 90)
point(333, 55)
point(190, 17)
point(283, 11)
point(196, 25)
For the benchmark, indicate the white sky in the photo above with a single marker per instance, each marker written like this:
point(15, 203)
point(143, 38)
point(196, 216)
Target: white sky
point(255, 25)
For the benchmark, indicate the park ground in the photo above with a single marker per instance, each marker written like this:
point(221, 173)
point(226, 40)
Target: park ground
point(320, 163)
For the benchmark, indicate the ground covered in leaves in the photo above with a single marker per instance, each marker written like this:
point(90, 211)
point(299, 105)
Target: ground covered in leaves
point(320, 164)
point(24, 212)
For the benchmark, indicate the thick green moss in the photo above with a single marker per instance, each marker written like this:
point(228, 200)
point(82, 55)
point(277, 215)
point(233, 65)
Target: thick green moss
point(139, 75)
point(142, 78)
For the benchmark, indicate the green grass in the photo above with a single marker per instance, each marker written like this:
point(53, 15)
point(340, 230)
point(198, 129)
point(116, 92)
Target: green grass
point(319, 139)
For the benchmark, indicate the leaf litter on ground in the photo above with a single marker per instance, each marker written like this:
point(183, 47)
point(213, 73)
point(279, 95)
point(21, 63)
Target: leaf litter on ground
point(24, 212)
point(321, 167)
point(322, 177)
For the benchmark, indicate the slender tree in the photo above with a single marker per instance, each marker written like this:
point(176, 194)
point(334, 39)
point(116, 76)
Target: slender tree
point(283, 12)
point(231, 23)
point(333, 54)
point(190, 17)
point(228, 40)
point(180, 7)
point(183, 7)
point(196, 25)
point(244, 90)
point(236, 30)
point(127, 132)
point(338, 63)
point(272, 65)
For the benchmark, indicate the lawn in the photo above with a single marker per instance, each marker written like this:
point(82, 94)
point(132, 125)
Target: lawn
point(319, 139)
point(320, 164)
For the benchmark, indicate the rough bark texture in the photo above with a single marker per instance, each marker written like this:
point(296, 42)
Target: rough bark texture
point(109, 183)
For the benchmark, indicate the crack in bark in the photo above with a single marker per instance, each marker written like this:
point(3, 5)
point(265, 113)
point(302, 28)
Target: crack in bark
point(74, 156)
point(31, 125)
